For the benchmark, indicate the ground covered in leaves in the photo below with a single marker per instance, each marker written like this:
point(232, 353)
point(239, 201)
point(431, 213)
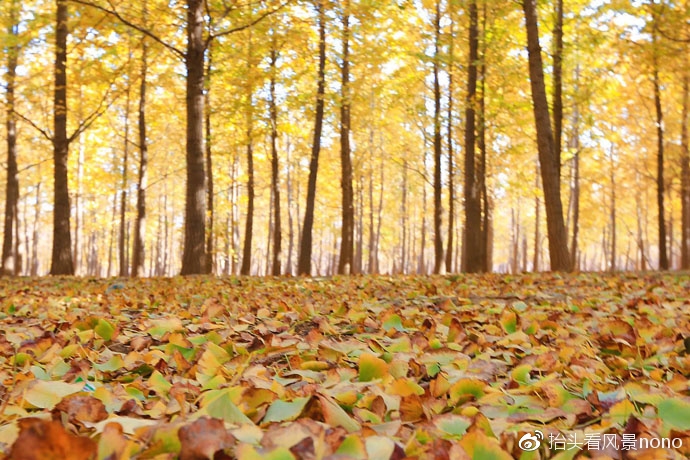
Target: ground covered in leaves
point(365, 367)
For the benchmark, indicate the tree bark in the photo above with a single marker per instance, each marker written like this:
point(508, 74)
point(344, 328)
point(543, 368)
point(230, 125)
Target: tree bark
point(663, 255)
point(612, 211)
point(275, 185)
point(345, 261)
point(537, 237)
point(558, 83)
point(558, 244)
point(481, 143)
point(473, 239)
point(438, 237)
point(685, 178)
point(140, 221)
point(209, 167)
point(194, 253)
point(9, 258)
point(575, 191)
point(246, 267)
point(61, 259)
point(122, 244)
point(451, 160)
point(291, 231)
point(304, 264)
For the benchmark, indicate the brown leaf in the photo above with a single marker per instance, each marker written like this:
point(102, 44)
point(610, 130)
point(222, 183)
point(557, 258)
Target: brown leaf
point(204, 437)
point(82, 409)
point(48, 440)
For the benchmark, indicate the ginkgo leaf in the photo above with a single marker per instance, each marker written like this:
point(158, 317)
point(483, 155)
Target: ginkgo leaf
point(46, 394)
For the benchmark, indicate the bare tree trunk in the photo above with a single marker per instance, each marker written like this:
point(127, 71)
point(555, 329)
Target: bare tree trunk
point(359, 252)
point(304, 264)
point(61, 259)
point(403, 212)
point(291, 232)
point(249, 220)
point(371, 265)
point(451, 160)
point(194, 254)
point(612, 175)
point(575, 190)
point(685, 179)
point(122, 248)
point(535, 264)
point(9, 261)
point(421, 266)
point(112, 236)
point(210, 256)
point(473, 239)
point(34, 241)
point(558, 244)
point(481, 179)
point(275, 185)
point(663, 255)
point(558, 83)
point(345, 261)
point(378, 225)
point(438, 237)
point(140, 222)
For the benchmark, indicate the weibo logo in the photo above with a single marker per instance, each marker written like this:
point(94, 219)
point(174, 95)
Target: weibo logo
point(531, 442)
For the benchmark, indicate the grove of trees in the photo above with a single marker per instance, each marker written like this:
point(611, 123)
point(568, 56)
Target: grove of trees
point(150, 138)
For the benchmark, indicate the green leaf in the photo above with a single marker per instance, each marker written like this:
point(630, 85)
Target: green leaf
point(104, 329)
point(675, 412)
point(46, 395)
point(393, 322)
point(281, 411)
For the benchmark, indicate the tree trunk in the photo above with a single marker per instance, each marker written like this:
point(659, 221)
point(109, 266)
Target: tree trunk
point(345, 261)
point(304, 264)
point(403, 212)
point(209, 168)
point(122, 244)
point(612, 175)
point(473, 239)
point(438, 238)
point(34, 240)
point(537, 237)
point(249, 220)
point(481, 179)
point(194, 254)
point(685, 179)
point(275, 185)
point(61, 259)
point(451, 160)
point(9, 261)
point(140, 222)
point(558, 244)
point(575, 190)
point(663, 255)
point(378, 224)
point(291, 232)
point(558, 83)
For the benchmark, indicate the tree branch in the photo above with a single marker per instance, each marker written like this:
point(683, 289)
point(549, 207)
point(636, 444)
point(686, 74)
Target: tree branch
point(92, 117)
point(144, 31)
point(247, 25)
point(34, 125)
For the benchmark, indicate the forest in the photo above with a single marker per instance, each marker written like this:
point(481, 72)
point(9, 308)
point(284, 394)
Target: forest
point(151, 139)
point(345, 229)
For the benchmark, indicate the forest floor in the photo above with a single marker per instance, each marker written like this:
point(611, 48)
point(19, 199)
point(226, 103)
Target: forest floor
point(447, 367)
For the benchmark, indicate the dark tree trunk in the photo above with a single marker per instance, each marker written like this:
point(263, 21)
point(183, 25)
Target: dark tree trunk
point(304, 264)
point(275, 184)
point(61, 261)
point(138, 255)
point(291, 232)
point(246, 266)
point(438, 237)
point(558, 240)
point(663, 255)
point(685, 180)
point(575, 191)
point(558, 83)
point(359, 251)
point(9, 262)
point(481, 143)
point(122, 244)
point(372, 235)
point(473, 238)
point(451, 159)
point(209, 168)
point(345, 261)
point(194, 254)
point(537, 208)
point(612, 175)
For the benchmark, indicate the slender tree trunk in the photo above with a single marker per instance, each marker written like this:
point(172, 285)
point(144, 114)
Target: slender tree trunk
point(61, 260)
point(275, 184)
point(304, 265)
point(575, 191)
point(140, 222)
point(484, 206)
point(122, 245)
point(473, 238)
point(210, 257)
point(249, 221)
point(372, 236)
point(345, 261)
point(438, 237)
point(194, 254)
point(558, 83)
point(34, 241)
point(537, 237)
point(451, 160)
point(403, 212)
point(291, 232)
point(612, 212)
point(685, 179)
point(663, 255)
point(558, 244)
point(9, 261)
point(111, 242)
point(359, 252)
point(378, 225)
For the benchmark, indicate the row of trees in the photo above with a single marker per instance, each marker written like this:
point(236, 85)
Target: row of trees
point(235, 57)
